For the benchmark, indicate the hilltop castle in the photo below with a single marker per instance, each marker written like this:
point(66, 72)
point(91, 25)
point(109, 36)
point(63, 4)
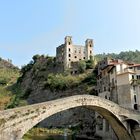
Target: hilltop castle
point(69, 54)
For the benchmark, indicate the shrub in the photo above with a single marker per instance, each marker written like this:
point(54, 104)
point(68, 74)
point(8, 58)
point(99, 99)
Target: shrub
point(35, 57)
point(3, 81)
point(61, 82)
point(81, 66)
point(90, 63)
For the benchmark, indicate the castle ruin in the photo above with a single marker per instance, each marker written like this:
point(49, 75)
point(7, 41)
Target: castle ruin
point(69, 54)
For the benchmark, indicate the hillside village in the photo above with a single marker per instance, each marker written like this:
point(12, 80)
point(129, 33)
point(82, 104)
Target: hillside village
point(75, 70)
point(117, 81)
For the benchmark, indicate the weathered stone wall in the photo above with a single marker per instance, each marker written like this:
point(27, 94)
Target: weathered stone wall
point(124, 96)
point(68, 52)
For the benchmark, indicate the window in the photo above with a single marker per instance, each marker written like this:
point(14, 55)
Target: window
point(113, 81)
point(75, 56)
point(111, 71)
point(106, 125)
point(130, 67)
point(69, 49)
point(135, 98)
point(90, 45)
point(105, 97)
point(90, 52)
point(132, 76)
point(138, 68)
point(69, 43)
point(100, 123)
point(84, 58)
point(75, 72)
point(69, 55)
point(138, 76)
point(135, 106)
point(69, 59)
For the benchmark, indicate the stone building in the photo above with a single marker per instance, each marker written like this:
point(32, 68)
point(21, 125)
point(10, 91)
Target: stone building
point(119, 82)
point(69, 54)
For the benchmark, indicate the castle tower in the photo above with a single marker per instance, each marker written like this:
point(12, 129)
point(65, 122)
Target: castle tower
point(68, 51)
point(68, 40)
point(89, 48)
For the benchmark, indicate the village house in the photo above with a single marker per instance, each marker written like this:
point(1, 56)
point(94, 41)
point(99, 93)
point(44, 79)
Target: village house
point(117, 81)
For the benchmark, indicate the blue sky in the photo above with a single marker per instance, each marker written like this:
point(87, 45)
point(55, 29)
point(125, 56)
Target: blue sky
point(29, 27)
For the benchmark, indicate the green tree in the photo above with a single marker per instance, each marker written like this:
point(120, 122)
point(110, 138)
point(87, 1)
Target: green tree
point(90, 63)
point(81, 66)
point(35, 57)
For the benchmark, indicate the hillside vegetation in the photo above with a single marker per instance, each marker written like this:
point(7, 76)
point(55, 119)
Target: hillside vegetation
point(8, 77)
point(43, 73)
point(130, 56)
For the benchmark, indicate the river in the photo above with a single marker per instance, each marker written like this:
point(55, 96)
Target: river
point(57, 137)
point(51, 137)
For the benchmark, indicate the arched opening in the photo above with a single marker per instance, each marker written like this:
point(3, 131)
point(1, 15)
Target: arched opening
point(133, 124)
point(79, 121)
point(116, 124)
point(136, 106)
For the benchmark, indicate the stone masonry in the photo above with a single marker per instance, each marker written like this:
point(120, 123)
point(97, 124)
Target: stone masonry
point(68, 54)
point(14, 123)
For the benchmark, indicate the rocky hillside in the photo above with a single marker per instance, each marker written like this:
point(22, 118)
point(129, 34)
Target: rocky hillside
point(7, 64)
point(41, 81)
point(8, 77)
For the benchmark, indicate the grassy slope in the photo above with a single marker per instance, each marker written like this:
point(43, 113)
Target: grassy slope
point(9, 76)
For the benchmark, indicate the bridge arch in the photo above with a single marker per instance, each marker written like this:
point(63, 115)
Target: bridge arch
point(134, 124)
point(109, 110)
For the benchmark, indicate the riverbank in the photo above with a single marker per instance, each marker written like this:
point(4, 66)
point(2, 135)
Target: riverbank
point(55, 134)
point(46, 132)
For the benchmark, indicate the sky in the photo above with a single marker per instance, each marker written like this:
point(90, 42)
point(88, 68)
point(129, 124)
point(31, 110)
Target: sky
point(29, 27)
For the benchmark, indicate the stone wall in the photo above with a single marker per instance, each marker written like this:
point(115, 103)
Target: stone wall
point(124, 96)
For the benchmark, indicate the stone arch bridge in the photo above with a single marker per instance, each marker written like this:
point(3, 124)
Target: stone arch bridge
point(14, 123)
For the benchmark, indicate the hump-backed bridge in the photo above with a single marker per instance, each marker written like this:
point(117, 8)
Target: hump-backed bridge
point(14, 123)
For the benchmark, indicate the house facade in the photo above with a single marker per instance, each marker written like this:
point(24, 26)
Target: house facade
point(117, 81)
